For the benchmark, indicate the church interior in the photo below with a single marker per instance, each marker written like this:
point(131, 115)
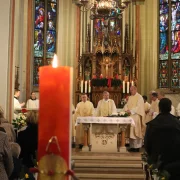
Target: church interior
point(110, 47)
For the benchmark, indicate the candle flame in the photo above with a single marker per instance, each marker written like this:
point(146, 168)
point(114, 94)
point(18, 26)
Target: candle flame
point(55, 61)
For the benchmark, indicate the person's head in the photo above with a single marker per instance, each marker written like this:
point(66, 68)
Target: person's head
point(145, 98)
point(15, 149)
point(32, 117)
point(165, 105)
point(105, 95)
point(161, 95)
point(16, 92)
point(33, 95)
point(84, 97)
point(154, 96)
point(1, 113)
point(133, 90)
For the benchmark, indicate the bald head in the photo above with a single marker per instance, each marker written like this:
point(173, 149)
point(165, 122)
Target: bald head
point(133, 90)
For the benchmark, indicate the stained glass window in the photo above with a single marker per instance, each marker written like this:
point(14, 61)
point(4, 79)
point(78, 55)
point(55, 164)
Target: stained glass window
point(45, 23)
point(169, 44)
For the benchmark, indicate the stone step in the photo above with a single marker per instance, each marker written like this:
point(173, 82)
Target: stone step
point(109, 170)
point(105, 161)
point(99, 176)
point(109, 157)
point(107, 164)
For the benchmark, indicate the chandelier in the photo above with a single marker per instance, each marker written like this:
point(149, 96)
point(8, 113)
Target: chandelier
point(103, 8)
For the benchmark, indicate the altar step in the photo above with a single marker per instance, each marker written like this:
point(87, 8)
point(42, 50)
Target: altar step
point(96, 166)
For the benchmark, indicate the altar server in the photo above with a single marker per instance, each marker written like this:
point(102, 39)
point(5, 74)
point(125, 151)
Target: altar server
point(17, 104)
point(83, 108)
point(33, 102)
point(135, 107)
point(106, 106)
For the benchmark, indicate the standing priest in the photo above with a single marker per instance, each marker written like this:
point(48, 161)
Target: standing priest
point(135, 107)
point(106, 106)
point(83, 108)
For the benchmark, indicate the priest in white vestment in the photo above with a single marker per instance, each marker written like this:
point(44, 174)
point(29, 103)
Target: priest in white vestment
point(154, 110)
point(161, 95)
point(135, 107)
point(106, 106)
point(33, 102)
point(83, 109)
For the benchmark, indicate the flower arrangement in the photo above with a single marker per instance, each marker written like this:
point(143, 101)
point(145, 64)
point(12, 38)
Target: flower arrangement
point(20, 121)
point(123, 114)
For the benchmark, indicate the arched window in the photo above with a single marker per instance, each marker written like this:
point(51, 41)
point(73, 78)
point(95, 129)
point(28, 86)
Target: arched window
point(169, 44)
point(45, 28)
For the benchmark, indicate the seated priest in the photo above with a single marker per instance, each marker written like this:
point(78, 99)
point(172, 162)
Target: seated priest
point(135, 107)
point(83, 108)
point(33, 102)
point(106, 106)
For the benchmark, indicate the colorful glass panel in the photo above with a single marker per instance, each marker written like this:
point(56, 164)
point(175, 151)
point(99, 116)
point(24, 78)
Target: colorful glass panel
point(163, 1)
point(38, 43)
point(37, 63)
point(45, 17)
point(163, 74)
point(175, 81)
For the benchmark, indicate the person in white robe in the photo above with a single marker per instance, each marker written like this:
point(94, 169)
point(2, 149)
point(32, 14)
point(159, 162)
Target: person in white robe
point(147, 106)
point(83, 109)
point(161, 95)
point(154, 110)
point(178, 110)
point(17, 104)
point(33, 102)
point(106, 106)
point(135, 107)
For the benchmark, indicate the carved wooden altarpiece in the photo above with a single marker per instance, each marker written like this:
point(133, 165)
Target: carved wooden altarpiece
point(106, 61)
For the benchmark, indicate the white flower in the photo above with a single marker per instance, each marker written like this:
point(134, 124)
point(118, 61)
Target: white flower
point(122, 113)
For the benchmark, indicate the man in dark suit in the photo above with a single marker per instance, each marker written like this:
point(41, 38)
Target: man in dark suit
point(162, 140)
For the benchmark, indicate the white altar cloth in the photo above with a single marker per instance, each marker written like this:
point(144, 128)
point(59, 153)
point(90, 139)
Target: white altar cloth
point(105, 120)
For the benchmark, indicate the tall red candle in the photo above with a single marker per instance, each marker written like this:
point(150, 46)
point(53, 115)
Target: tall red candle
point(54, 112)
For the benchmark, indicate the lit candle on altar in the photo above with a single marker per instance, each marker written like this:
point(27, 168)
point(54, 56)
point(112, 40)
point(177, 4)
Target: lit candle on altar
point(89, 86)
point(123, 86)
point(128, 87)
point(85, 89)
point(55, 85)
point(132, 83)
point(81, 86)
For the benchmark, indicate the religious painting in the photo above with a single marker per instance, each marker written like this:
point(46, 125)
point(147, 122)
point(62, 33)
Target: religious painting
point(50, 43)
point(175, 50)
point(175, 16)
point(38, 43)
point(51, 16)
point(37, 63)
point(39, 14)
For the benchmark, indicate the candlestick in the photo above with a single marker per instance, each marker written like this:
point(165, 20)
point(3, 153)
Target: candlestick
point(55, 110)
point(81, 86)
point(123, 86)
point(85, 87)
point(128, 87)
point(89, 86)
point(132, 83)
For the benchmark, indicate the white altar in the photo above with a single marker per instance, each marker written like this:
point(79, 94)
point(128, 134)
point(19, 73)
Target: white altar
point(102, 133)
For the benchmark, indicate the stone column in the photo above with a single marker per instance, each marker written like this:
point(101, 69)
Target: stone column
point(86, 133)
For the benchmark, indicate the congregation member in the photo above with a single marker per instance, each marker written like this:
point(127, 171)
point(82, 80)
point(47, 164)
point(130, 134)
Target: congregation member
point(162, 140)
point(83, 108)
point(106, 106)
point(28, 139)
point(135, 108)
point(6, 160)
point(161, 95)
point(33, 102)
point(154, 109)
point(8, 127)
point(17, 104)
